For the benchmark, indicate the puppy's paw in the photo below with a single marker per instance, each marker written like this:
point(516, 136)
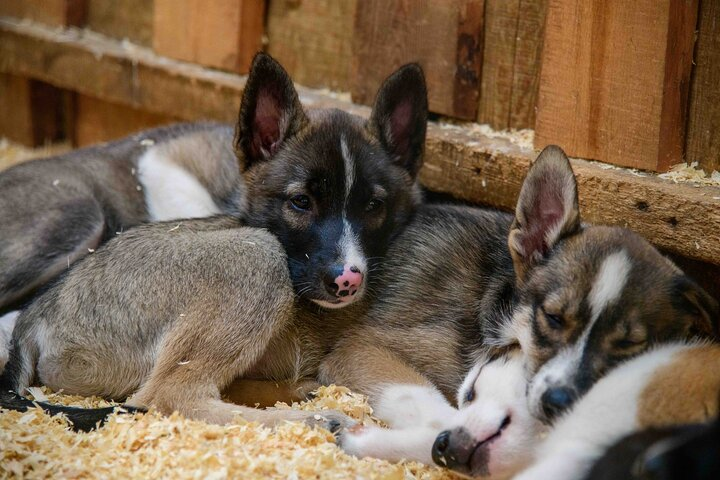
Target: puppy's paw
point(7, 323)
point(393, 445)
point(305, 389)
point(412, 406)
point(332, 421)
point(361, 441)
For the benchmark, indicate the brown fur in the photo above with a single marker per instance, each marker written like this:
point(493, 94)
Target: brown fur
point(685, 391)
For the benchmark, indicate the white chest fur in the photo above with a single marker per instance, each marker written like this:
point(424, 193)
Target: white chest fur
point(171, 192)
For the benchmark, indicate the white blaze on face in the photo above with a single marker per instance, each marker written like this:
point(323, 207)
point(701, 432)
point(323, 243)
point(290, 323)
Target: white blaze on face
point(606, 290)
point(498, 393)
point(349, 244)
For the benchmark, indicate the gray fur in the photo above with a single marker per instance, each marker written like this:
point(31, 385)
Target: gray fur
point(53, 210)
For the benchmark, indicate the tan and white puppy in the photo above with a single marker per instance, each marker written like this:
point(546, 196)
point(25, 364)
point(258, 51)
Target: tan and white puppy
point(673, 384)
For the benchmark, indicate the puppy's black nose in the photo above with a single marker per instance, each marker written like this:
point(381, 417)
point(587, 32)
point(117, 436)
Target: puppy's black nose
point(442, 441)
point(556, 400)
point(453, 449)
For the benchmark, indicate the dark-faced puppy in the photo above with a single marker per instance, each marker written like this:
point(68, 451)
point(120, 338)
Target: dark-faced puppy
point(170, 314)
point(338, 188)
point(334, 188)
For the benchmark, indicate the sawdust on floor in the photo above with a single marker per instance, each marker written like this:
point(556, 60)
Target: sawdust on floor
point(34, 445)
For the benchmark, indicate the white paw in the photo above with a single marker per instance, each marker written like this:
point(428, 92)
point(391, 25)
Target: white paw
point(392, 445)
point(7, 323)
point(412, 406)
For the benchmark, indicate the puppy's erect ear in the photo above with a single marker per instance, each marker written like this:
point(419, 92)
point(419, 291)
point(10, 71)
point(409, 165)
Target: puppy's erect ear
point(547, 210)
point(699, 309)
point(270, 112)
point(399, 116)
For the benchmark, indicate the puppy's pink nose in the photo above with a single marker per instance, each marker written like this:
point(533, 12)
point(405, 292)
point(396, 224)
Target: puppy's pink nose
point(348, 283)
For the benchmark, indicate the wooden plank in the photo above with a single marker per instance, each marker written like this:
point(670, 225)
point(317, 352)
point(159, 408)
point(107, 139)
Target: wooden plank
point(52, 12)
point(99, 121)
point(677, 217)
point(615, 80)
point(33, 112)
point(313, 40)
point(703, 140)
point(511, 62)
point(223, 33)
point(444, 37)
point(131, 19)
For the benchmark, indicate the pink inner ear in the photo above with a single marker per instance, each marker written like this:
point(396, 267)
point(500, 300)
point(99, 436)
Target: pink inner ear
point(400, 127)
point(546, 212)
point(266, 124)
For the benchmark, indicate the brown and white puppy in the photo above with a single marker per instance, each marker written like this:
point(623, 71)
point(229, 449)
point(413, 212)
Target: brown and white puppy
point(172, 312)
point(673, 384)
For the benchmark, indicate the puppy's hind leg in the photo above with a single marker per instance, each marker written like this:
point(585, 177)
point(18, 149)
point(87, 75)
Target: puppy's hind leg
point(221, 336)
point(36, 246)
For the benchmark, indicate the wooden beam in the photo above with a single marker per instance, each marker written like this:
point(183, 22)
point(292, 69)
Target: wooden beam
point(99, 121)
point(703, 138)
point(131, 19)
point(223, 33)
point(680, 218)
point(313, 40)
point(444, 37)
point(511, 62)
point(615, 79)
point(53, 12)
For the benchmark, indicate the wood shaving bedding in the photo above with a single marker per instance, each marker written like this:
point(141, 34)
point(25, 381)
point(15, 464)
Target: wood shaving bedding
point(34, 445)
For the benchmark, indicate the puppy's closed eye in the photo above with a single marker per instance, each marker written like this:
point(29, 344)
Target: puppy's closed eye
point(470, 395)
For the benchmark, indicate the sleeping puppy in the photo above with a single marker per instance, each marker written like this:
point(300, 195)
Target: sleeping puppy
point(494, 434)
point(491, 435)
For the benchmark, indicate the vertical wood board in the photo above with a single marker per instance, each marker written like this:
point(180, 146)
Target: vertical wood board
point(615, 79)
point(444, 37)
point(223, 34)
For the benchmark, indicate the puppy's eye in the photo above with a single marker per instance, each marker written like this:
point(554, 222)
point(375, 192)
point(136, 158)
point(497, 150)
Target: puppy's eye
point(554, 320)
point(300, 202)
point(374, 204)
point(470, 395)
point(629, 343)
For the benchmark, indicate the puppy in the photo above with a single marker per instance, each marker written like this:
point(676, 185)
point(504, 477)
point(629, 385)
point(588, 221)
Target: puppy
point(332, 187)
point(491, 435)
point(494, 434)
point(171, 313)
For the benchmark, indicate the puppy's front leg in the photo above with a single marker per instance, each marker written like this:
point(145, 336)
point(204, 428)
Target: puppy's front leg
point(399, 395)
point(393, 445)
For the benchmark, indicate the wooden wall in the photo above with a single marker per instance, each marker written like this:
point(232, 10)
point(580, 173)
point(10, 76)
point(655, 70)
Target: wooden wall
point(634, 84)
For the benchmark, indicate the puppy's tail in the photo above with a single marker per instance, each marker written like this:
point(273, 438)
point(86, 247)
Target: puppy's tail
point(18, 374)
